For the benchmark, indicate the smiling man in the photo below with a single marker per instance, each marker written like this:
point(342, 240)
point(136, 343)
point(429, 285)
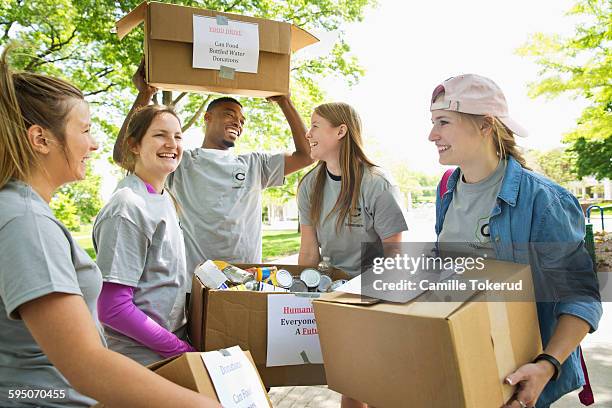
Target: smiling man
point(219, 193)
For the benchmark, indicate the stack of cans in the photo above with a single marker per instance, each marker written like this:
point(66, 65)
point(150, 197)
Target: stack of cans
point(222, 275)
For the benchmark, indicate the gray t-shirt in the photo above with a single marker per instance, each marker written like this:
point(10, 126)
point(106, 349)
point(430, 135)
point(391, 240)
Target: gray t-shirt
point(379, 216)
point(220, 198)
point(139, 243)
point(37, 257)
point(466, 224)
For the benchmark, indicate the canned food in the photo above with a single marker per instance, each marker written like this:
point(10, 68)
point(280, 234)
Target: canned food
point(311, 277)
point(271, 275)
point(262, 273)
point(325, 283)
point(284, 279)
point(336, 284)
point(298, 285)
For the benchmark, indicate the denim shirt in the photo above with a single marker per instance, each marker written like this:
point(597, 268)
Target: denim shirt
point(532, 209)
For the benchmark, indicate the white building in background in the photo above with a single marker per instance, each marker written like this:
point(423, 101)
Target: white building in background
point(591, 188)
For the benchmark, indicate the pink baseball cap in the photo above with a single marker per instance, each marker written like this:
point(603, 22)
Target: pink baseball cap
point(477, 95)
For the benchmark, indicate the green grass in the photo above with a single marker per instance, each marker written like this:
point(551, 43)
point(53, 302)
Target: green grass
point(83, 238)
point(275, 243)
point(279, 243)
point(608, 211)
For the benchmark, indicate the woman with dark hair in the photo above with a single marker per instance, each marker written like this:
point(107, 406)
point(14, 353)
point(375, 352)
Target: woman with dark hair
point(494, 205)
point(139, 244)
point(52, 347)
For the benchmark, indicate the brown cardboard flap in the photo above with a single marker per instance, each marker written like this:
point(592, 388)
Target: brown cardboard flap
point(170, 22)
point(301, 38)
point(347, 298)
point(131, 20)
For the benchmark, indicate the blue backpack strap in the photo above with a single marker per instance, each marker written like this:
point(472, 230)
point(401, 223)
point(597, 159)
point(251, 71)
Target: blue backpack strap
point(444, 181)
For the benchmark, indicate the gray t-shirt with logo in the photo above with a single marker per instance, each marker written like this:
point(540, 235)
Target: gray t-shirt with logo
point(378, 217)
point(466, 225)
point(37, 257)
point(220, 198)
point(139, 243)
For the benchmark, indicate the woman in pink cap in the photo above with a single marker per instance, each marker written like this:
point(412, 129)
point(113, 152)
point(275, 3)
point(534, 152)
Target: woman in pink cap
point(494, 205)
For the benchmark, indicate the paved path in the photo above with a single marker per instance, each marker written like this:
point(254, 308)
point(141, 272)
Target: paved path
point(597, 347)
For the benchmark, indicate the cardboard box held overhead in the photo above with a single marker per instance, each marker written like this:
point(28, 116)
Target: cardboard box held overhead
point(429, 354)
point(168, 49)
point(222, 318)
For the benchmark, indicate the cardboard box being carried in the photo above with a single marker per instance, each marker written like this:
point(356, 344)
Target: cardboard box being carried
point(169, 50)
point(188, 370)
point(429, 354)
point(223, 318)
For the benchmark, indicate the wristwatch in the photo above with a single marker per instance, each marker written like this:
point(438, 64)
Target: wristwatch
point(556, 364)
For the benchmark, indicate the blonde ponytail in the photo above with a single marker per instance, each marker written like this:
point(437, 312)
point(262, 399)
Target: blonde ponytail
point(28, 99)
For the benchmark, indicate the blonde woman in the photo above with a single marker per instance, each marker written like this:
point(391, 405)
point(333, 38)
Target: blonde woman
point(52, 347)
point(493, 204)
point(345, 200)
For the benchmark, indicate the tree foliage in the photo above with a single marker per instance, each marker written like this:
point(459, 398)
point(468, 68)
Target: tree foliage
point(581, 65)
point(558, 165)
point(75, 39)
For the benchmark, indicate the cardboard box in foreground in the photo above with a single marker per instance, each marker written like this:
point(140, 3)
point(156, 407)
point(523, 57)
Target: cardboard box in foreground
point(428, 354)
point(188, 370)
point(168, 49)
point(223, 318)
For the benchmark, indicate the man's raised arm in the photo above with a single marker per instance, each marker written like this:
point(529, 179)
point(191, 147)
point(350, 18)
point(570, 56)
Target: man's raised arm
point(300, 158)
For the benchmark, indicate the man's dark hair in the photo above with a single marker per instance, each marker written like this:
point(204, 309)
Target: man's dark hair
point(223, 99)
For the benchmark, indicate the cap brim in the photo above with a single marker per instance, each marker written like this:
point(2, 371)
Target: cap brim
point(517, 129)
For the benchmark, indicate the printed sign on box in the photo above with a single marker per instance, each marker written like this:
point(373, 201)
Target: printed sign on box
point(293, 337)
point(232, 43)
point(236, 382)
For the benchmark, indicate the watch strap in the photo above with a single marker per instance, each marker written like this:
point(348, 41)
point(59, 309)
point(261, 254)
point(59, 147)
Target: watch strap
point(552, 360)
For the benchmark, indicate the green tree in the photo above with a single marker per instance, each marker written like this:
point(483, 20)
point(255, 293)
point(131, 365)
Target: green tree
point(65, 210)
point(557, 164)
point(74, 39)
point(84, 195)
point(581, 65)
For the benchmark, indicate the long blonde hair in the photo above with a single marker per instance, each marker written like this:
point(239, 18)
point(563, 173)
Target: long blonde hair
point(505, 143)
point(28, 99)
point(353, 160)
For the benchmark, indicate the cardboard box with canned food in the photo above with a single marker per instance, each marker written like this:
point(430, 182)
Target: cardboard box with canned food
point(224, 318)
point(427, 352)
point(192, 49)
point(189, 370)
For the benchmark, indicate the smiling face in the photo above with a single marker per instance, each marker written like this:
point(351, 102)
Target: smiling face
point(66, 161)
point(324, 138)
point(224, 125)
point(457, 138)
point(160, 150)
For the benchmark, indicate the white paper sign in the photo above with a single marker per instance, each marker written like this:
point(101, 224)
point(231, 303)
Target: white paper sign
point(234, 45)
point(235, 379)
point(292, 331)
